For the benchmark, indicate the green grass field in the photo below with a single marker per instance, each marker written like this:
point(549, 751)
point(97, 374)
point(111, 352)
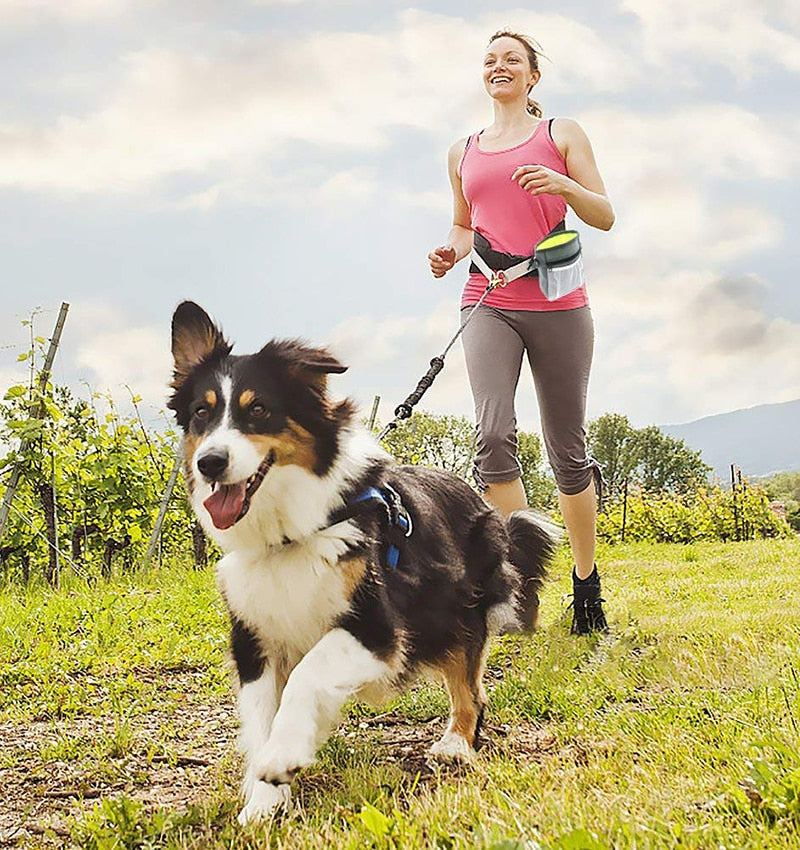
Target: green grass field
point(679, 729)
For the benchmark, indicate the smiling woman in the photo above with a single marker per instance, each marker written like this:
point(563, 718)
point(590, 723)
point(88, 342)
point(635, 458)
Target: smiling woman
point(512, 185)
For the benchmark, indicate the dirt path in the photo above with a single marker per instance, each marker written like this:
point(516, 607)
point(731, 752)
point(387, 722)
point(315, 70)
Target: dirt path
point(49, 774)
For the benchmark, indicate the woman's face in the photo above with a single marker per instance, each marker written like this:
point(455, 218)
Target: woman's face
point(507, 73)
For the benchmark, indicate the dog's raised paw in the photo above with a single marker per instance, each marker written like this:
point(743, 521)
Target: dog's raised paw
point(265, 800)
point(452, 748)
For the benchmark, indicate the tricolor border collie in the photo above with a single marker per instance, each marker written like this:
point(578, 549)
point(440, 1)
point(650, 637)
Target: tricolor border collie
point(345, 574)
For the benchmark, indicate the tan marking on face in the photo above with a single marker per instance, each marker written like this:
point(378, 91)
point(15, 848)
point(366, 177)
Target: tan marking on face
point(466, 693)
point(211, 398)
point(294, 445)
point(246, 399)
point(190, 443)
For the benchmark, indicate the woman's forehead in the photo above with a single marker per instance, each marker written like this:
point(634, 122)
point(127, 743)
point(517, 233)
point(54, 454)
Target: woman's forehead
point(505, 45)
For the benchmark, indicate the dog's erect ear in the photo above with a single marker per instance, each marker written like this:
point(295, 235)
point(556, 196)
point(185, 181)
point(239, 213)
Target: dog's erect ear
point(320, 361)
point(307, 364)
point(195, 338)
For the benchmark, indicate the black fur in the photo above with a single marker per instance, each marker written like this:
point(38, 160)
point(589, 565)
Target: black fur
point(463, 573)
point(246, 651)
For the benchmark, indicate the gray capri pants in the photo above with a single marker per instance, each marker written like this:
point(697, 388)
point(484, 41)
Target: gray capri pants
point(559, 344)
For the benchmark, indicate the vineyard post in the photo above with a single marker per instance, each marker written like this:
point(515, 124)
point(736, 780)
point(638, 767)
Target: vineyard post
point(36, 412)
point(373, 416)
point(624, 508)
point(162, 512)
point(735, 505)
point(743, 492)
point(56, 562)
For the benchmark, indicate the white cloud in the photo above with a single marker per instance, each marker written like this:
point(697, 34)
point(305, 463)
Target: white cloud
point(664, 177)
point(674, 347)
point(743, 35)
point(117, 354)
point(229, 110)
point(27, 13)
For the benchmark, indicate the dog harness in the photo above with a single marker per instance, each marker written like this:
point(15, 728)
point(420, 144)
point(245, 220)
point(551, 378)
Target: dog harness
point(397, 520)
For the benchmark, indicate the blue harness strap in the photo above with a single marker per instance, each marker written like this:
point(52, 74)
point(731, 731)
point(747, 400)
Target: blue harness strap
point(398, 518)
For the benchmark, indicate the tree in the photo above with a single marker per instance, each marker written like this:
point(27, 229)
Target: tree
point(448, 442)
point(666, 464)
point(90, 484)
point(646, 457)
point(611, 442)
point(785, 487)
point(540, 486)
point(426, 439)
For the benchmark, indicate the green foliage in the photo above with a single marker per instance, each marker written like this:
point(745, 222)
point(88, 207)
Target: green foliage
point(647, 458)
point(448, 442)
point(704, 514)
point(785, 487)
point(427, 439)
point(90, 483)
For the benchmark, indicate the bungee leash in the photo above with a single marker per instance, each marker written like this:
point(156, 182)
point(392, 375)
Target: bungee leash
point(404, 410)
point(557, 253)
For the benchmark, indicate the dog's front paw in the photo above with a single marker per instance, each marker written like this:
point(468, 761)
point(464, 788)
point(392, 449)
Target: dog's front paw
point(264, 800)
point(452, 747)
point(278, 763)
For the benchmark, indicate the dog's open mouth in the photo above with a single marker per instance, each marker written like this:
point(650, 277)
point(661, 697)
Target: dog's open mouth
point(228, 503)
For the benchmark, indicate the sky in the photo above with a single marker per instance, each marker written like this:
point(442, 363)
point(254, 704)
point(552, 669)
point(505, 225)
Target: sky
point(283, 163)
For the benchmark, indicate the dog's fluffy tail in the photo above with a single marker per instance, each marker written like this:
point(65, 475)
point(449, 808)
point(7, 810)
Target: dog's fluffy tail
point(533, 541)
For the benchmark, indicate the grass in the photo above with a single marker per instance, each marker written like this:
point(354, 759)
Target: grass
point(680, 729)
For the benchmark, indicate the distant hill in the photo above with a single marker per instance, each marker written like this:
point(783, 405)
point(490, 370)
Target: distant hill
point(761, 440)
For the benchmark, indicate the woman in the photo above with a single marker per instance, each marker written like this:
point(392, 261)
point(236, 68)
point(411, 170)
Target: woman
point(512, 184)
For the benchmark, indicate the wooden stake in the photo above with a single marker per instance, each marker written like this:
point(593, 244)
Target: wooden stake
point(36, 411)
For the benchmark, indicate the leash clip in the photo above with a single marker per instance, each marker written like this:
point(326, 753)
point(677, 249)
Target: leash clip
point(498, 279)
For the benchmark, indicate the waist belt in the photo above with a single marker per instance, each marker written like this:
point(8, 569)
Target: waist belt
point(498, 267)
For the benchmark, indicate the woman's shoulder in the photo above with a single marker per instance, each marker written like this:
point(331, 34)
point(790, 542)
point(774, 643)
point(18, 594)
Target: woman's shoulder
point(456, 153)
point(565, 130)
point(458, 147)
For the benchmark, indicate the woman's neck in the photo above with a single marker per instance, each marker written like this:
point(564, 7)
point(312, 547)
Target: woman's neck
point(511, 118)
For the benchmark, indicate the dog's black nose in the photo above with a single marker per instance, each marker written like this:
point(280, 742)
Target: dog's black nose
point(213, 463)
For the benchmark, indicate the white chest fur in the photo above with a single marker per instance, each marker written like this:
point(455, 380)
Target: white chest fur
point(291, 595)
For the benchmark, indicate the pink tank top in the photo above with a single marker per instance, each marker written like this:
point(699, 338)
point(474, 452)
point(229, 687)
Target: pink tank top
point(511, 219)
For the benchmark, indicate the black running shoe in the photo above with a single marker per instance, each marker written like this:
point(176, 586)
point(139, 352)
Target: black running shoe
point(587, 605)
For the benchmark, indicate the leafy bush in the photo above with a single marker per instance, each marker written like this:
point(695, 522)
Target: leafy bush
point(704, 514)
point(89, 484)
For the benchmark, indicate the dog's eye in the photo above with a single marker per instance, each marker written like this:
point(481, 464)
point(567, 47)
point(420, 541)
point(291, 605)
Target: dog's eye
point(258, 409)
point(201, 412)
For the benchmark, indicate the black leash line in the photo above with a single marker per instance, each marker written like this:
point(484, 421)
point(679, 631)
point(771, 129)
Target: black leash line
point(404, 410)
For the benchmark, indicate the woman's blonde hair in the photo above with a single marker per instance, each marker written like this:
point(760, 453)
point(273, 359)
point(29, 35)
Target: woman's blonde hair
point(534, 51)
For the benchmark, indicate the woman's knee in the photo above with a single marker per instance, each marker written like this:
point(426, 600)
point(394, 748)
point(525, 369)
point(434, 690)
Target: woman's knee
point(496, 455)
point(573, 474)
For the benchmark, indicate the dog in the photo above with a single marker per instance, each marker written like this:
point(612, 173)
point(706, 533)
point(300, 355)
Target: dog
point(344, 573)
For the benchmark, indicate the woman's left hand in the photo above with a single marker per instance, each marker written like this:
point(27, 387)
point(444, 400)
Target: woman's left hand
point(539, 180)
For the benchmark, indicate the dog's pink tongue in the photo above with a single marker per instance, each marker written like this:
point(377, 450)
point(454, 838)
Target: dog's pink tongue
point(225, 504)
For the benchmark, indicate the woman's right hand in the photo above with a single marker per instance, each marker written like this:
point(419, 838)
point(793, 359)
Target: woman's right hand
point(442, 259)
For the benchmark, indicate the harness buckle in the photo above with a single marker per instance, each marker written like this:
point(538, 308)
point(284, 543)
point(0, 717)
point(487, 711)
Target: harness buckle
point(498, 279)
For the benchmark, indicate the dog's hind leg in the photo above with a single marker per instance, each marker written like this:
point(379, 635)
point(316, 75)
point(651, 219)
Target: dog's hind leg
point(462, 670)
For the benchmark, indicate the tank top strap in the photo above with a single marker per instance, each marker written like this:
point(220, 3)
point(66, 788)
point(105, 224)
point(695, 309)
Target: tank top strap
point(470, 139)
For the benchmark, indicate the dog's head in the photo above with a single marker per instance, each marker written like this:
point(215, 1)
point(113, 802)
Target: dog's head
point(242, 416)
